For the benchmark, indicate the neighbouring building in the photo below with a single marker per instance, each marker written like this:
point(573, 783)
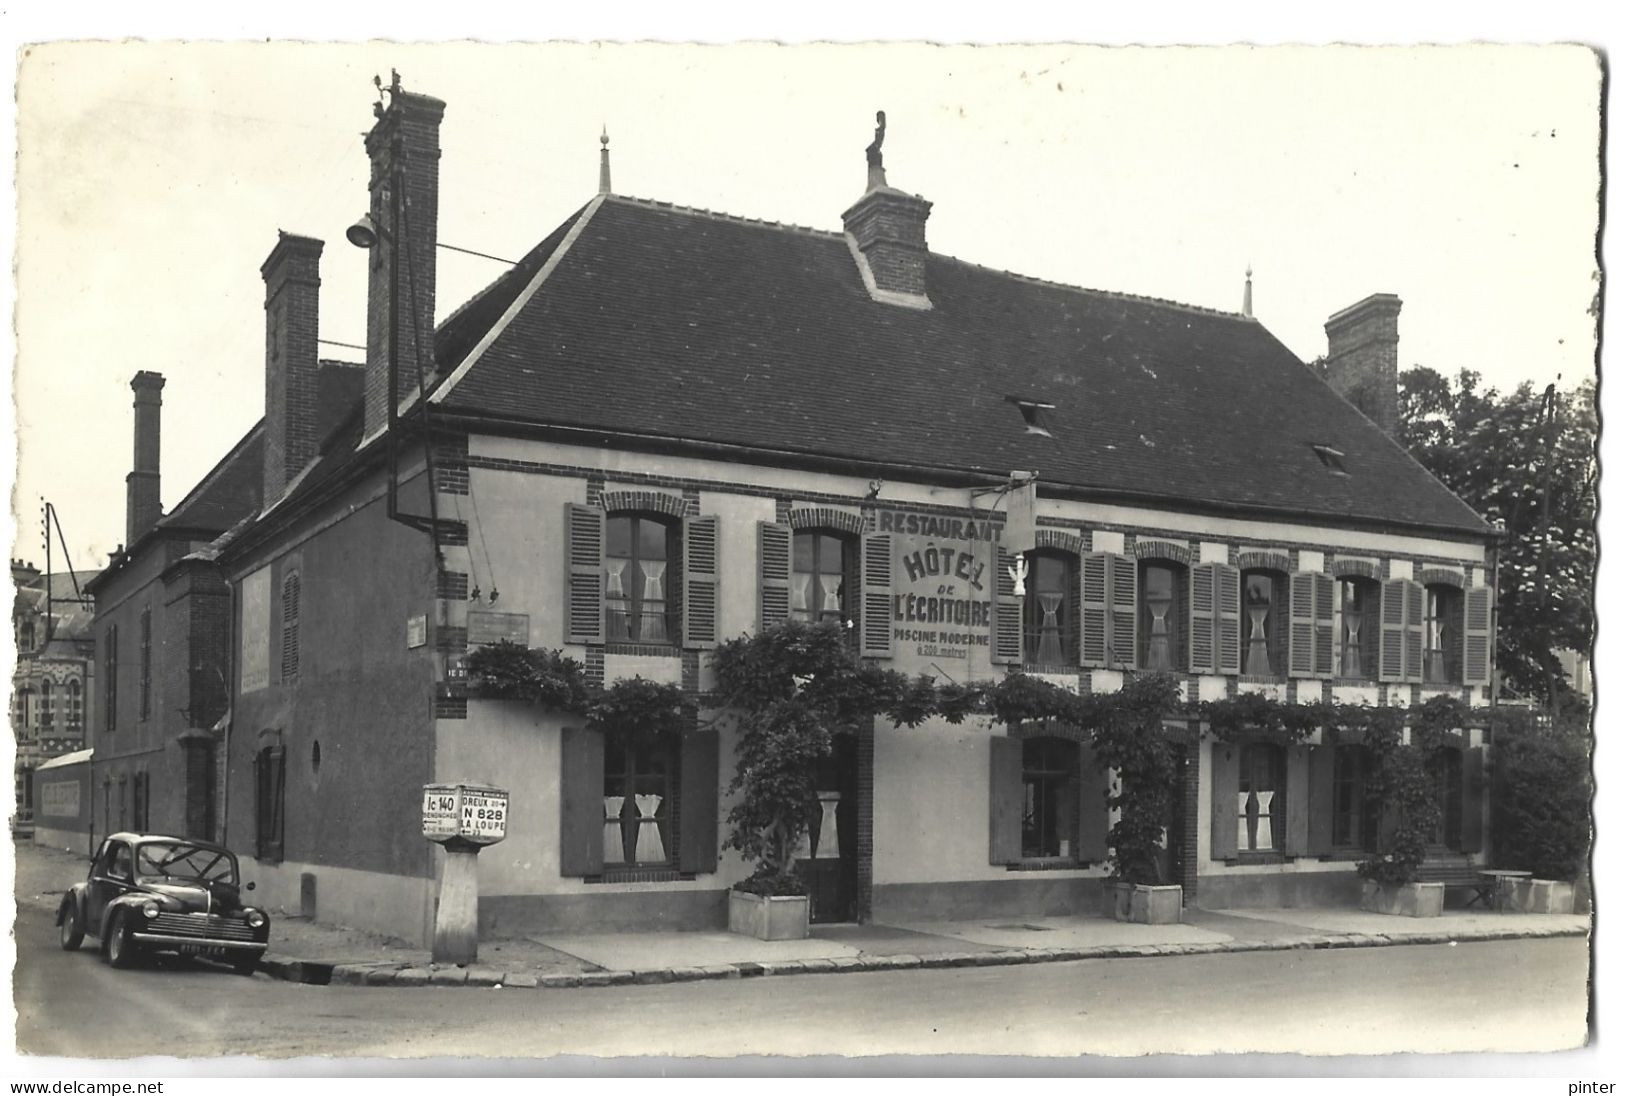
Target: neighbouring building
point(665, 426)
point(53, 683)
point(63, 804)
point(162, 634)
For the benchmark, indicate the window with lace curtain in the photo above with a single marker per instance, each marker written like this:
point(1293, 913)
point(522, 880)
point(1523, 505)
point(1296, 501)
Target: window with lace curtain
point(1263, 623)
point(640, 786)
point(1162, 616)
point(1261, 798)
point(1356, 627)
point(820, 576)
point(1441, 633)
point(641, 554)
point(1048, 612)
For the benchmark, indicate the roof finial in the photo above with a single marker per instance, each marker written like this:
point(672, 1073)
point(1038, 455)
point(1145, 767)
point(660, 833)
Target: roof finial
point(877, 170)
point(603, 161)
point(1247, 294)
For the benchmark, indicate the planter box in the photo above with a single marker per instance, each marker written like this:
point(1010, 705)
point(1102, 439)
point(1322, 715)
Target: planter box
point(1142, 904)
point(1404, 899)
point(1539, 896)
point(768, 918)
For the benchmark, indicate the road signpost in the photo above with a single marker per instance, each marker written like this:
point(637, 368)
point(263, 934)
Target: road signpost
point(464, 818)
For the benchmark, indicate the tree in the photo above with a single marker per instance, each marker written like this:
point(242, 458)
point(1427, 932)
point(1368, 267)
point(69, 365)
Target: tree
point(1500, 453)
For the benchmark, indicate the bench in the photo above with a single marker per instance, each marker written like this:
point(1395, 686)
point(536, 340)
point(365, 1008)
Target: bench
point(1458, 874)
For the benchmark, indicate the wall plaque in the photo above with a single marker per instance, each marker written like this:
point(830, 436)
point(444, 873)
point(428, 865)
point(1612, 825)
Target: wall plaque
point(484, 628)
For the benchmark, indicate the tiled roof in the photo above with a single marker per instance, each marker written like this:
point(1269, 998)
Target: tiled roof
point(463, 329)
point(230, 490)
point(338, 392)
point(233, 489)
point(677, 323)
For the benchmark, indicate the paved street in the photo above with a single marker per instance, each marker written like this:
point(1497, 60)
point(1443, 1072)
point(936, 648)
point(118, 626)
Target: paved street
point(1518, 995)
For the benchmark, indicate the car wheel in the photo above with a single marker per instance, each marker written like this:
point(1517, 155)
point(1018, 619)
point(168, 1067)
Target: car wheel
point(246, 965)
point(73, 934)
point(121, 950)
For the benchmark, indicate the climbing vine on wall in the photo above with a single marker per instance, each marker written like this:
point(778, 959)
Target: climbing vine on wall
point(791, 687)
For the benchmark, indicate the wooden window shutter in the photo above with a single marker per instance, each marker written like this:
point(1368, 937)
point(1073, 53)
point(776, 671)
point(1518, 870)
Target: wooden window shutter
point(1074, 600)
point(1182, 614)
point(1472, 799)
point(1297, 800)
point(1453, 653)
point(259, 804)
point(700, 571)
point(1004, 800)
point(1125, 606)
point(1226, 782)
point(1325, 625)
point(1095, 646)
point(1415, 600)
point(278, 817)
point(1203, 619)
point(1391, 646)
point(290, 626)
point(1227, 618)
point(1322, 798)
point(697, 783)
point(1007, 611)
point(773, 573)
point(584, 574)
point(1093, 816)
point(581, 802)
point(1475, 634)
point(1301, 630)
point(874, 618)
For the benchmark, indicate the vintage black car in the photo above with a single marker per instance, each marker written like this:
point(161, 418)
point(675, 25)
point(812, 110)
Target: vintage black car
point(149, 893)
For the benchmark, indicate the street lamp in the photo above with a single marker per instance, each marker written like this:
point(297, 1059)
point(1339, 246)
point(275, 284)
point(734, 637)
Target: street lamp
point(365, 233)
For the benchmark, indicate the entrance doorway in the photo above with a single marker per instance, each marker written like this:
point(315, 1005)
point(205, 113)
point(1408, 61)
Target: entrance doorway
point(828, 859)
point(1170, 858)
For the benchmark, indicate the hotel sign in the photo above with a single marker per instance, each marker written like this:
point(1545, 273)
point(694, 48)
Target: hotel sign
point(942, 585)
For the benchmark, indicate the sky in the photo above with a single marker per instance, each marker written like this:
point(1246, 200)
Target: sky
point(152, 180)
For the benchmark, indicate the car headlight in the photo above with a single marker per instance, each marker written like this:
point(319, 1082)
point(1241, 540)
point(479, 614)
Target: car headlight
point(254, 918)
point(150, 910)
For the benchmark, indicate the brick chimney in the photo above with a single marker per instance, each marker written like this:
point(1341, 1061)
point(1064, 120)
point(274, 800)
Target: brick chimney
point(142, 506)
point(292, 291)
point(886, 231)
point(1362, 357)
point(404, 146)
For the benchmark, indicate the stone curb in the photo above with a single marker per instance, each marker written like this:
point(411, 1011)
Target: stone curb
point(387, 974)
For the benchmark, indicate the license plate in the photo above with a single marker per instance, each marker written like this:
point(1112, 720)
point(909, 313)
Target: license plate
point(203, 950)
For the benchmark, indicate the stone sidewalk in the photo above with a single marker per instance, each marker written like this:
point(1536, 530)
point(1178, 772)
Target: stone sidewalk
point(322, 954)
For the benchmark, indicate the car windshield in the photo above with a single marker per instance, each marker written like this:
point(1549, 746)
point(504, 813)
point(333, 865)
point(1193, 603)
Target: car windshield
point(183, 860)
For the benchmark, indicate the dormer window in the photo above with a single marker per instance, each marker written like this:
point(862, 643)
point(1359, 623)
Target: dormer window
point(1032, 413)
point(1331, 458)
